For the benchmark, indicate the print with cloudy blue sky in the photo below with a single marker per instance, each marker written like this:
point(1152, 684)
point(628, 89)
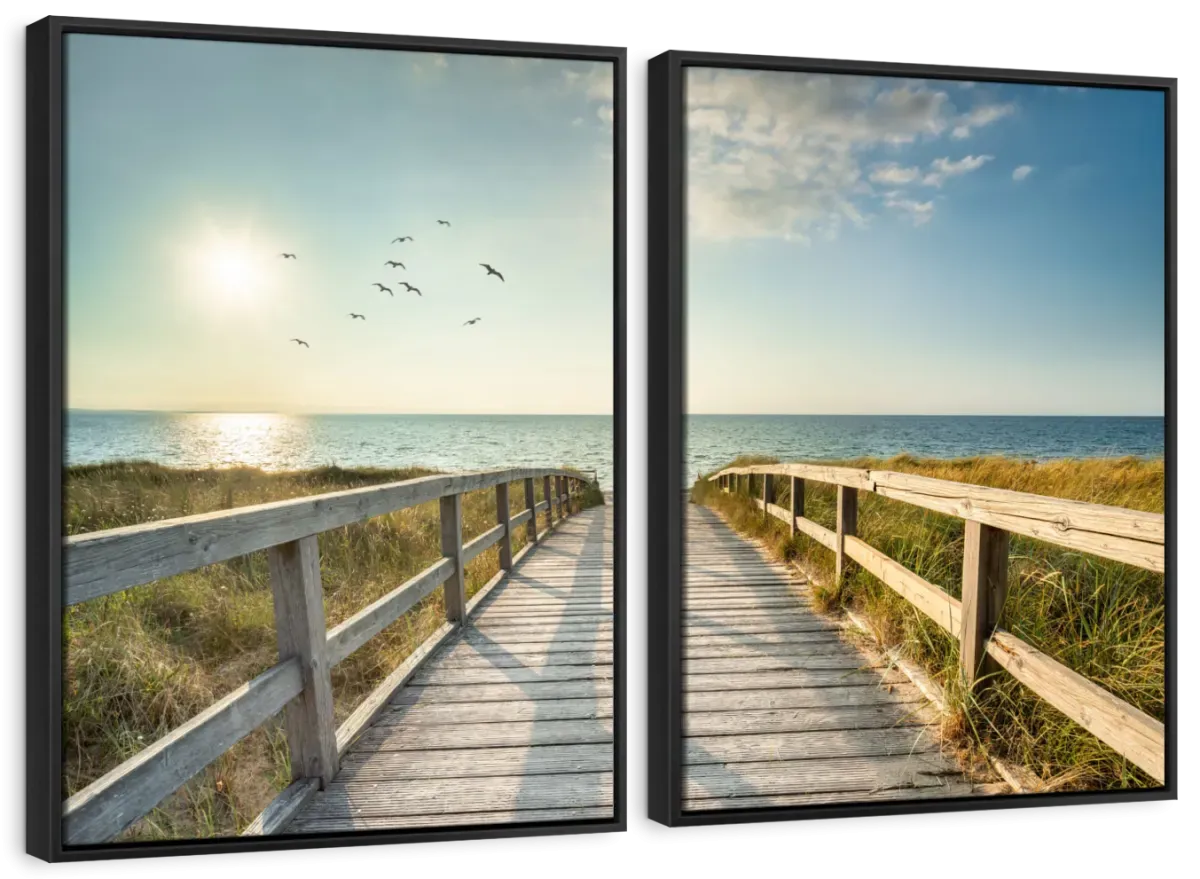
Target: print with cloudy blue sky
point(193, 164)
point(928, 247)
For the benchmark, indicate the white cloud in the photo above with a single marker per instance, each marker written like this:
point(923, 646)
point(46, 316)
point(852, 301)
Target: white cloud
point(893, 174)
point(916, 212)
point(595, 82)
point(942, 169)
point(1022, 171)
point(577, 121)
point(978, 117)
point(807, 156)
point(430, 62)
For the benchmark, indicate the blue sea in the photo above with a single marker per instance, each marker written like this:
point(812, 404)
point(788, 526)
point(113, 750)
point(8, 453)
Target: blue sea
point(468, 442)
point(714, 440)
point(291, 442)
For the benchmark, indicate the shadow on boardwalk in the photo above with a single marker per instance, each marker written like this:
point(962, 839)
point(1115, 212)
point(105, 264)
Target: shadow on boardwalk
point(511, 720)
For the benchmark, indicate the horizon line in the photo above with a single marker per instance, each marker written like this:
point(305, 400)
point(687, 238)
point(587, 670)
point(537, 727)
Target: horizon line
point(315, 412)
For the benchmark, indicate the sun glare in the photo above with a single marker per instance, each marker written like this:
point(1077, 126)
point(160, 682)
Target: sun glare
point(229, 266)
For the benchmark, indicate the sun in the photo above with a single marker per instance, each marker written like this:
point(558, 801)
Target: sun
point(232, 269)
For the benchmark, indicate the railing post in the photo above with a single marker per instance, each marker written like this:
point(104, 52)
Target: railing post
point(984, 587)
point(797, 502)
point(768, 493)
point(452, 548)
point(549, 502)
point(502, 516)
point(530, 504)
point(847, 523)
point(295, 573)
point(558, 497)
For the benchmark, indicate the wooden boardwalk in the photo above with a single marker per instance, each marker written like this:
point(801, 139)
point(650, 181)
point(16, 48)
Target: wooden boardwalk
point(780, 709)
point(511, 720)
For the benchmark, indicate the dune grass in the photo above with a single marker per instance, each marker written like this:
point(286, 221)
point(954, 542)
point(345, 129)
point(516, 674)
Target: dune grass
point(140, 662)
point(1103, 619)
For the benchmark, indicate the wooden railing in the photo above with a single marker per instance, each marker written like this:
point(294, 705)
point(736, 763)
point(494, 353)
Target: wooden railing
point(991, 514)
point(104, 562)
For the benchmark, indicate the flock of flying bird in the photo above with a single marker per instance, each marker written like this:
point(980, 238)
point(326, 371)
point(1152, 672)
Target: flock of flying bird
point(392, 263)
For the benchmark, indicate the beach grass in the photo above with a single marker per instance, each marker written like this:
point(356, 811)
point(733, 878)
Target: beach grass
point(140, 662)
point(1103, 619)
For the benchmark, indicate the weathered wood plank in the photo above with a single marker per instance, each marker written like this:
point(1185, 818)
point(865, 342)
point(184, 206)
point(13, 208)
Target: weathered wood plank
point(388, 767)
point(502, 516)
point(531, 532)
point(446, 797)
point(445, 677)
point(867, 774)
point(455, 587)
point(102, 562)
point(295, 575)
point(1133, 734)
point(403, 737)
point(514, 816)
point(792, 678)
point(941, 607)
point(984, 586)
point(115, 800)
point(283, 808)
point(600, 688)
point(852, 477)
point(950, 789)
point(847, 526)
point(1115, 533)
point(484, 541)
point(413, 711)
point(352, 634)
point(797, 697)
point(810, 745)
point(846, 719)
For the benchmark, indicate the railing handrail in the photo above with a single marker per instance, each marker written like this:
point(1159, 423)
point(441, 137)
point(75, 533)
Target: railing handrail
point(99, 563)
point(1117, 533)
point(308, 650)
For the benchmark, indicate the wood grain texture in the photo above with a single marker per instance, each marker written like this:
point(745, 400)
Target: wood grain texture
point(283, 808)
point(455, 586)
point(984, 587)
point(776, 703)
point(941, 607)
point(295, 575)
point(502, 516)
point(107, 561)
point(847, 526)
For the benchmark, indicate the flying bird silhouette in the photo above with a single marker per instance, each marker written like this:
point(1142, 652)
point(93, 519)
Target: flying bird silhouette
point(354, 316)
point(473, 320)
point(288, 255)
point(383, 289)
point(299, 342)
point(412, 289)
point(492, 271)
point(402, 239)
point(443, 222)
point(393, 264)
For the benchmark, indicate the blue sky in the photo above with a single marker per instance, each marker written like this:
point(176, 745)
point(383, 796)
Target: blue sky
point(191, 165)
point(888, 246)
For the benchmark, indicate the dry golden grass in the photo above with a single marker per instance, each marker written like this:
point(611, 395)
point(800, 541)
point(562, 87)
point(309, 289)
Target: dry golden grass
point(142, 661)
point(1103, 619)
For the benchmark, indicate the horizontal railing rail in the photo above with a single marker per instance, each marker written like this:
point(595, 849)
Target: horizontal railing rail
point(991, 515)
point(105, 562)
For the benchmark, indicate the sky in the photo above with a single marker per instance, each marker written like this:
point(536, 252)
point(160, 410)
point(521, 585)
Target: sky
point(192, 165)
point(869, 245)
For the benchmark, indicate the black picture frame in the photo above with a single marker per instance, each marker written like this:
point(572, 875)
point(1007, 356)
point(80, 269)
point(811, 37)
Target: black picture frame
point(44, 431)
point(667, 425)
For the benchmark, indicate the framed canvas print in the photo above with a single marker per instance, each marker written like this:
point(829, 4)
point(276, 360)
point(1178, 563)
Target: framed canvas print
point(325, 433)
point(912, 438)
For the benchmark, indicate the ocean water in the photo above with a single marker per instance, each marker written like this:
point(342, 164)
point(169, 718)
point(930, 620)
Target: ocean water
point(289, 442)
point(713, 440)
